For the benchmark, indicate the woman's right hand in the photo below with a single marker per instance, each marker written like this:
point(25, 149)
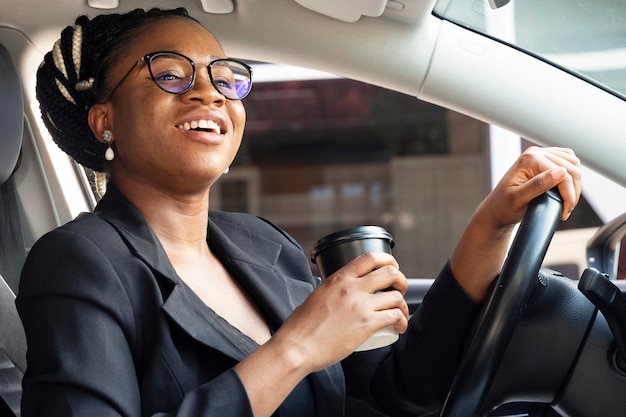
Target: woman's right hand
point(334, 320)
point(345, 310)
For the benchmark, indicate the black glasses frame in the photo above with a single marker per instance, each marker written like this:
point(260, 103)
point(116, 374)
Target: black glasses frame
point(147, 59)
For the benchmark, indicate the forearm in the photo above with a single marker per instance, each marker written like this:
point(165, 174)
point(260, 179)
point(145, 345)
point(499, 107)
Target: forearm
point(479, 254)
point(269, 374)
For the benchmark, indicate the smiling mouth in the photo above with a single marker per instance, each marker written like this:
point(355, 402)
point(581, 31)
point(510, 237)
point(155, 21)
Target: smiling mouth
point(201, 126)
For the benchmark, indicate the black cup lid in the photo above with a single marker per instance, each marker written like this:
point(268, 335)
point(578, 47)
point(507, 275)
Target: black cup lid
point(348, 235)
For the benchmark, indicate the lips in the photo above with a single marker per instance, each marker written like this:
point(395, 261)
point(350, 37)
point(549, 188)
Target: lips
point(201, 125)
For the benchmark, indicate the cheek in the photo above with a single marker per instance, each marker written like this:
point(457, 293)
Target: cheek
point(238, 117)
point(140, 134)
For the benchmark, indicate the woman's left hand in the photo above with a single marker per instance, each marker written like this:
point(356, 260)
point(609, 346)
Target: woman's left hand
point(535, 171)
point(479, 253)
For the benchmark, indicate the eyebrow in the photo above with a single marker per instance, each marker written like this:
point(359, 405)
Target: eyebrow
point(211, 58)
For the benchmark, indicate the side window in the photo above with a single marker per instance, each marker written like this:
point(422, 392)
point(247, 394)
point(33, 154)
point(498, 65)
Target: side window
point(323, 155)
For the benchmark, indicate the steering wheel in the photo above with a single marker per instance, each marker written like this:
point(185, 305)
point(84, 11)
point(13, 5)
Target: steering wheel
point(504, 307)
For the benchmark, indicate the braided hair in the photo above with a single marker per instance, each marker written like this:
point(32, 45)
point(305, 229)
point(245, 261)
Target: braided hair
point(74, 75)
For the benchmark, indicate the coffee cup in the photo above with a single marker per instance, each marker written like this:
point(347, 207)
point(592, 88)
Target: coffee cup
point(337, 249)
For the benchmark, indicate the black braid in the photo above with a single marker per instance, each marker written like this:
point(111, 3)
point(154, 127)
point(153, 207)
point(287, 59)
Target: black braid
point(65, 96)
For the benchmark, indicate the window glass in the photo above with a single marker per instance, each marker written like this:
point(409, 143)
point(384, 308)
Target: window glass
point(585, 37)
point(319, 156)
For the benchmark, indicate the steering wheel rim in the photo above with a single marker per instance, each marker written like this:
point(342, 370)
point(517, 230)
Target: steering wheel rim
point(504, 307)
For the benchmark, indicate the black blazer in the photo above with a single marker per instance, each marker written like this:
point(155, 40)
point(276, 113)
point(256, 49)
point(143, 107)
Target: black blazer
point(113, 331)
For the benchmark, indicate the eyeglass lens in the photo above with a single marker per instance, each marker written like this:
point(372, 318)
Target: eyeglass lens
point(176, 74)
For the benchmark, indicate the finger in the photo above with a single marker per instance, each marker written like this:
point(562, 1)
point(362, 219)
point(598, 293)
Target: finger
point(555, 177)
point(566, 152)
point(571, 186)
point(569, 196)
point(385, 278)
point(387, 300)
point(567, 159)
point(539, 184)
point(393, 317)
point(553, 167)
point(366, 263)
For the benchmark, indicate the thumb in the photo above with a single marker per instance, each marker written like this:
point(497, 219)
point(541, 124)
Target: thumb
point(542, 182)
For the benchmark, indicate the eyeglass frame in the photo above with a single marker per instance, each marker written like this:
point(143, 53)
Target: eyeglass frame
point(147, 58)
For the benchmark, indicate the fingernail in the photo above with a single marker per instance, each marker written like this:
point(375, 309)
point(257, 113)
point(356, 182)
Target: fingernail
point(567, 215)
point(558, 172)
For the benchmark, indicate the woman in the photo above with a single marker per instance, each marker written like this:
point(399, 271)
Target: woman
point(154, 306)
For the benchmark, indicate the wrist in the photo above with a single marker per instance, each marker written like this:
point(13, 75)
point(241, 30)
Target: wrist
point(270, 373)
point(293, 357)
point(489, 224)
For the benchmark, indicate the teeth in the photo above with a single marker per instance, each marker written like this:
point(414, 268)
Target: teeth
point(201, 124)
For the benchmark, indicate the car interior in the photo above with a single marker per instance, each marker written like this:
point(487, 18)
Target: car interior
point(462, 75)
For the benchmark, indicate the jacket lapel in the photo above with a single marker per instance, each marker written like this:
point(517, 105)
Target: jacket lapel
point(253, 260)
point(201, 323)
point(133, 228)
point(249, 257)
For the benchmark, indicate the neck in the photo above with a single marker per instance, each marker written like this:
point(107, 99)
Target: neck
point(179, 219)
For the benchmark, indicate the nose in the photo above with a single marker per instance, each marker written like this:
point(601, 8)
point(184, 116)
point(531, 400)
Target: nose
point(203, 89)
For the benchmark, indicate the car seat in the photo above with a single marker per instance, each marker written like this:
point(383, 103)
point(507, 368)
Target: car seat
point(12, 251)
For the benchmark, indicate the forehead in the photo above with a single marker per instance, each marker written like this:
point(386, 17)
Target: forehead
point(177, 34)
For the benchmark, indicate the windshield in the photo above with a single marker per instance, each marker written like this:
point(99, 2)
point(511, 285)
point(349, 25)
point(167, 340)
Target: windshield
point(584, 37)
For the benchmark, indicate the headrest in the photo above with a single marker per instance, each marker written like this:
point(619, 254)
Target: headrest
point(11, 115)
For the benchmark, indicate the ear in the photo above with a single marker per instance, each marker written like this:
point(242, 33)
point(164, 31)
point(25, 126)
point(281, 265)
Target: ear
point(99, 119)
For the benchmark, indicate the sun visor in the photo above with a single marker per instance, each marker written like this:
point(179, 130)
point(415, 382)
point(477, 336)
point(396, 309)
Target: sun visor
point(11, 115)
point(346, 10)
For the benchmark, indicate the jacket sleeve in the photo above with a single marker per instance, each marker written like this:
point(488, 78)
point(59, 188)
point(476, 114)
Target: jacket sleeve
point(82, 333)
point(413, 377)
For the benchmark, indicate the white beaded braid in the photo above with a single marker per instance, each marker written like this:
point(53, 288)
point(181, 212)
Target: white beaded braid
point(100, 181)
point(59, 62)
point(57, 56)
point(77, 40)
point(77, 51)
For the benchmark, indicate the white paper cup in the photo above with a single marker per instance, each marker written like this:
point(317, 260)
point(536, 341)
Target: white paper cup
point(337, 249)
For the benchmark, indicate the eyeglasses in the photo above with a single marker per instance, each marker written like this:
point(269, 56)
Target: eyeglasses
point(175, 73)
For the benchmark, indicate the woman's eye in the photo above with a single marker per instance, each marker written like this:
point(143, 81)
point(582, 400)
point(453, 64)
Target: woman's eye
point(222, 82)
point(167, 76)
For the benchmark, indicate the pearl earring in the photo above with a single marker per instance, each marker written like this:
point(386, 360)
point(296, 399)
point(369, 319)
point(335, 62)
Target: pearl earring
point(226, 170)
point(107, 136)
